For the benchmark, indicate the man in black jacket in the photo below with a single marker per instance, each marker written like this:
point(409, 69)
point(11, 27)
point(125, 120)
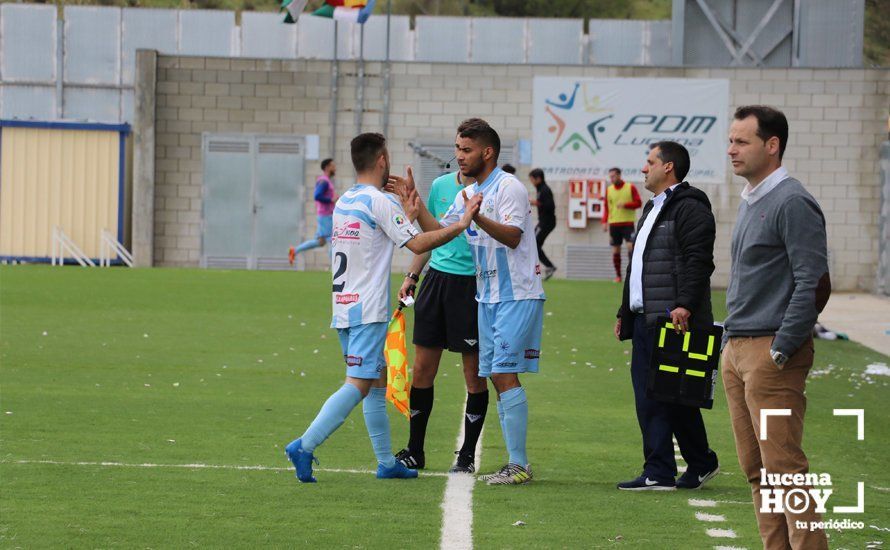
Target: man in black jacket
point(670, 271)
point(546, 217)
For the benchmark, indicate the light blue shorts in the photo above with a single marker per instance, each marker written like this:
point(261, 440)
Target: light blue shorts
point(363, 349)
point(325, 227)
point(510, 336)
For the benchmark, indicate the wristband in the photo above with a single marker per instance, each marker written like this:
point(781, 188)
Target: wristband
point(412, 275)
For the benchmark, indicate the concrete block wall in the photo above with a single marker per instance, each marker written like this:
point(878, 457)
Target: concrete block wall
point(837, 117)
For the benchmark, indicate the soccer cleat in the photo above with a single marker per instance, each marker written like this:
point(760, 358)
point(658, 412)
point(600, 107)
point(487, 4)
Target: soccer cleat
point(644, 483)
point(511, 474)
point(411, 459)
point(396, 471)
point(692, 480)
point(301, 460)
point(466, 464)
point(291, 255)
point(548, 272)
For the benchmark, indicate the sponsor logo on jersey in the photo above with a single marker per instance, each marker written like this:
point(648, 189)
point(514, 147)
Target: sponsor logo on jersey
point(346, 298)
point(487, 274)
point(504, 346)
point(398, 219)
point(506, 364)
point(353, 360)
point(349, 232)
point(532, 353)
point(470, 342)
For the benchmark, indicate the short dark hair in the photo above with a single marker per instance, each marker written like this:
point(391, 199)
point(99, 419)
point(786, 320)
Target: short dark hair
point(615, 169)
point(771, 122)
point(537, 173)
point(366, 148)
point(479, 130)
point(671, 151)
point(509, 168)
point(325, 163)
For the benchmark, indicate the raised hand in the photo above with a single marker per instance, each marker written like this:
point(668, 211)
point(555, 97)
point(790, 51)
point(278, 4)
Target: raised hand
point(398, 184)
point(471, 208)
point(411, 204)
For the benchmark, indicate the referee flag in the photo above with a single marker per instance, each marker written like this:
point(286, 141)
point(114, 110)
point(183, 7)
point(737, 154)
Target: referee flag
point(398, 381)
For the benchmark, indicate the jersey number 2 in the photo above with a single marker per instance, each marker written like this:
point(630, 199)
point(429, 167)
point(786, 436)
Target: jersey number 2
point(338, 287)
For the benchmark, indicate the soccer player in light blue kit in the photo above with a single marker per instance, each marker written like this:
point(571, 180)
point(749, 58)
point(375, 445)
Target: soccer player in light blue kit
point(367, 226)
point(508, 283)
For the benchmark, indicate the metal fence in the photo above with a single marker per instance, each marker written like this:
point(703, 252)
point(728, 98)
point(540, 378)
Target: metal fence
point(82, 67)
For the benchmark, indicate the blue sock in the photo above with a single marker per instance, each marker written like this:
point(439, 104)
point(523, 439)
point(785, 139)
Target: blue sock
point(377, 423)
point(515, 407)
point(331, 416)
point(501, 418)
point(307, 245)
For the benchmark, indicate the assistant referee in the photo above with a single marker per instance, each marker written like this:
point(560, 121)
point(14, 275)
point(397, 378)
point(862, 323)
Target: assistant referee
point(445, 317)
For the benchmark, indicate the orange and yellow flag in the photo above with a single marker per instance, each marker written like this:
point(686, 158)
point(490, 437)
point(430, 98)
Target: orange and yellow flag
point(398, 377)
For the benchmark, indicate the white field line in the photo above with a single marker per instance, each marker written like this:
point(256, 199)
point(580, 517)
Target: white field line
point(199, 466)
point(701, 516)
point(705, 503)
point(457, 503)
point(721, 533)
point(729, 548)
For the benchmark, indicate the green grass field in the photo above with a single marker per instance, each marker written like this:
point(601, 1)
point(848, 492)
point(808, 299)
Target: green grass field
point(179, 367)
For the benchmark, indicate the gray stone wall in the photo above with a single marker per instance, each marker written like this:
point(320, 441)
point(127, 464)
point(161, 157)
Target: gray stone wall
point(838, 121)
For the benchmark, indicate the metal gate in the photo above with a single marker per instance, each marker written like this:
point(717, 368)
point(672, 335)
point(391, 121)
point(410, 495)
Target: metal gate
point(252, 200)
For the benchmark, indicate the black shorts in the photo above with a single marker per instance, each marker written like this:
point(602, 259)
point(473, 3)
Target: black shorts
point(620, 233)
point(446, 313)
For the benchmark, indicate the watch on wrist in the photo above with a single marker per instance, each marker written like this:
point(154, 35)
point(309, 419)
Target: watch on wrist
point(779, 358)
point(412, 275)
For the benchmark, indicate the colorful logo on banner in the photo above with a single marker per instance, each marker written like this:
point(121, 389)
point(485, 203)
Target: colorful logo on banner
point(584, 126)
point(576, 124)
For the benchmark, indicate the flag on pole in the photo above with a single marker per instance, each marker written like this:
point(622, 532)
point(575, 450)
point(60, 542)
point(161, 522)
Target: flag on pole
point(294, 9)
point(398, 377)
point(355, 11)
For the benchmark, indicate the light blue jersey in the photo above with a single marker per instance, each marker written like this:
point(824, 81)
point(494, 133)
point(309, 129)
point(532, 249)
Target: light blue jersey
point(503, 274)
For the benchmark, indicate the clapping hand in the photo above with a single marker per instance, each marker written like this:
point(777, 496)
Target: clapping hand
point(471, 208)
point(398, 184)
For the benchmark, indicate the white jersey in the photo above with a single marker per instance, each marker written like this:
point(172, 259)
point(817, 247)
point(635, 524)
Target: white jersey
point(502, 273)
point(367, 223)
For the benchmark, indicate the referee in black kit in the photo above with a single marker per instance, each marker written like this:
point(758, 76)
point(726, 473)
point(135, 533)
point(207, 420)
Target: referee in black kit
point(546, 217)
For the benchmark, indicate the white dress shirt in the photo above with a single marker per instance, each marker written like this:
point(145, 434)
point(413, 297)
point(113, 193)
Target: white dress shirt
point(636, 265)
point(754, 194)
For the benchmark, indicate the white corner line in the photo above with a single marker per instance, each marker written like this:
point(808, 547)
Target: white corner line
point(860, 420)
point(766, 413)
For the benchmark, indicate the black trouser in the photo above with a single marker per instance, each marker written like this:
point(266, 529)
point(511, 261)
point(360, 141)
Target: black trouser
point(659, 421)
point(541, 232)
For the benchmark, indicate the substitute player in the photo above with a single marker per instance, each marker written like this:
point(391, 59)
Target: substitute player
point(508, 283)
point(367, 223)
point(622, 199)
point(445, 318)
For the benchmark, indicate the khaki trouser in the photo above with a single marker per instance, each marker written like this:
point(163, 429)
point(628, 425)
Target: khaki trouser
point(753, 382)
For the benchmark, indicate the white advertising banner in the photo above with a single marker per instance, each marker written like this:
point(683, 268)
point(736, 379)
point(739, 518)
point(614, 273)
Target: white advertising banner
point(584, 126)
